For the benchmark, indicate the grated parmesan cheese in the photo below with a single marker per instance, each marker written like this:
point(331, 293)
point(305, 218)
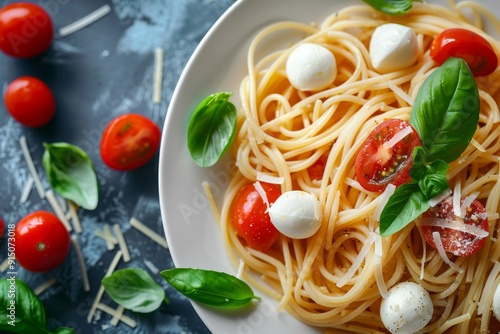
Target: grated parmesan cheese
point(121, 242)
point(158, 75)
point(26, 190)
point(57, 209)
point(439, 246)
point(148, 232)
point(457, 195)
point(85, 21)
point(81, 263)
point(263, 177)
point(262, 193)
point(31, 167)
point(455, 224)
point(398, 137)
point(439, 198)
point(358, 260)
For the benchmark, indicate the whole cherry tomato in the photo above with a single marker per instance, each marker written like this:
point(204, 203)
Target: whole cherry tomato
point(30, 101)
point(2, 227)
point(41, 242)
point(250, 218)
point(465, 44)
point(457, 242)
point(129, 141)
point(26, 30)
point(381, 162)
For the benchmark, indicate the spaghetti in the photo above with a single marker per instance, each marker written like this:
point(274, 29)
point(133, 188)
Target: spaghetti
point(336, 279)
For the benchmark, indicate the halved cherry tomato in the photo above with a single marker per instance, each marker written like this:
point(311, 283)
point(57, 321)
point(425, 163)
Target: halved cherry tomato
point(129, 141)
point(30, 101)
point(465, 44)
point(42, 242)
point(26, 30)
point(380, 163)
point(457, 242)
point(250, 218)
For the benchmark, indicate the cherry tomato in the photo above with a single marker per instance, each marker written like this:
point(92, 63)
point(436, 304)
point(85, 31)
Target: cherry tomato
point(30, 101)
point(42, 242)
point(2, 227)
point(454, 241)
point(250, 218)
point(378, 164)
point(129, 141)
point(26, 30)
point(465, 44)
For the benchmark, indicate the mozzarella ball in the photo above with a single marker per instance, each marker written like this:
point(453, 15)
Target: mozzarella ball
point(393, 47)
point(311, 67)
point(496, 303)
point(407, 309)
point(296, 214)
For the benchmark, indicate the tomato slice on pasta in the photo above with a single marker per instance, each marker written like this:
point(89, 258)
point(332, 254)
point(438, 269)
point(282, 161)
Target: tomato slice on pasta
point(457, 240)
point(386, 155)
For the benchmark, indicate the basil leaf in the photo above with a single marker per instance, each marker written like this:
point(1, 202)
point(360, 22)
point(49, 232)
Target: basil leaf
point(446, 111)
point(134, 289)
point(391, 7)
point(71, 174)
point(64, 330)
point(210, 287)
point(406, 204)
point(20, 309)
point(211, 129)
point(432, 185)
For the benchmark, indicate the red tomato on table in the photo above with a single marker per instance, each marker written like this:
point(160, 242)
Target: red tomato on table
point(2, 227)
point(381, 162)
point(41, 241)
point(26, 30)
point(250, 218)
point(30, 101)
point(465, 44)
point(129, 141)
point(457, 242)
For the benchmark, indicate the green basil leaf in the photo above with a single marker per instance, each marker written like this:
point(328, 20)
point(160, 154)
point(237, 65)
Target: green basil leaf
point(134, 289)
point(212, 129)
point(406, 204)
point(391, 7)
point(210, 287)
point(64, 330)
point(446, 111)
point(20, 309)
point(432, 185)
point(71, 174)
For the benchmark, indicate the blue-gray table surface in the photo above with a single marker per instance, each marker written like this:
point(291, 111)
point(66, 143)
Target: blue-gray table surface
point(97, 73)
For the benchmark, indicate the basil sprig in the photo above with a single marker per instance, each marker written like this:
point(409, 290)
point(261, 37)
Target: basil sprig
point(135, 290)
point(210, 287)
point(71, 174)
point(211, 129)
point(392, 7)
point(21, 311)
point(445, 115)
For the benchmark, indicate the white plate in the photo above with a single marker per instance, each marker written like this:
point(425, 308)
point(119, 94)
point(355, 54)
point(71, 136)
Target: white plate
point(219, 64)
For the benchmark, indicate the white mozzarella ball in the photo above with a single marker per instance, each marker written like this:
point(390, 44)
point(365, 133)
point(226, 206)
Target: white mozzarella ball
point(311, 67)
point(296, 214)
point(393, 47)
point(407, 309)
point(496, 303)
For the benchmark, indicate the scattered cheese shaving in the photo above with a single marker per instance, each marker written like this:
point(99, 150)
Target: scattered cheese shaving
point(117, 316)
point(211, 200)
point(263, 177)
point(57, 209)
point(123, 318)
point(398, 137)
point(424, 258)
point(457, 195)
point(439, 198)
point(466, 203)
point(439, 246)
point(262, 193)
point(455, 224)
point(358, 260)
point(401, 93)
point(100, 292)
point(485, 300)
point(158, 75)
point(81, 263)
point(26, 190)
point(85, 21)
point(44, 286)
point(149, 232)
point(383, 199)
point(241, 267)
point(75, 220)
point(31, 167)
point(121, 242)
